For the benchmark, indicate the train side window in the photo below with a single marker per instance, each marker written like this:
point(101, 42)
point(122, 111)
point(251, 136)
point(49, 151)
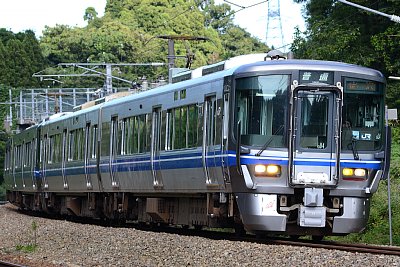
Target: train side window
point(94, 141)
point(16, 149)
point(51, 149)
point(41, 150)
point(192, 127)
point(148, 136)
point(135, 134)
point(57, 148)
point(71, 146)
point(142, 133)
point(179, 128)
point(24, 155)
point(114, 133)
point(121, 137)
point(87, 149)
point(78, 144)
point(105, 139)
point(169, 133)
point(129, 128)
point(163, 130)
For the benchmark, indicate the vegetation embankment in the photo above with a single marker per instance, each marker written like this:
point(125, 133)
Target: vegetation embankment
point(377, 231)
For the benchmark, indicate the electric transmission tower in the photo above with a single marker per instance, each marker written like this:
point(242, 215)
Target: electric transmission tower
point(274, 25)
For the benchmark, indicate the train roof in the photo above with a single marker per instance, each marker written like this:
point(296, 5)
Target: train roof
point(235, 66)
point(303, 64)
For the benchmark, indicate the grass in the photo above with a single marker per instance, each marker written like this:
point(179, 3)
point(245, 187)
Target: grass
point(377, 230)
point(29, 248)
point(26, 248)
point(2, 193)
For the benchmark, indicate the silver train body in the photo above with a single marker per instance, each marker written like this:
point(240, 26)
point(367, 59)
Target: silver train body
point(282, 146)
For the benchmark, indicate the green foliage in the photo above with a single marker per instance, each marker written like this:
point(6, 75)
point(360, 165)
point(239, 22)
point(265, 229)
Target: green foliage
point(30, 248)
point(90, 14)
point(129, 31)
point(20, 57)
point(377, 231)
point(2, 192)
point(337, 31)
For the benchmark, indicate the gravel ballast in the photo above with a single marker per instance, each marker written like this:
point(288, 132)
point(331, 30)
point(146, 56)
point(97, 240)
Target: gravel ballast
point(65, 243)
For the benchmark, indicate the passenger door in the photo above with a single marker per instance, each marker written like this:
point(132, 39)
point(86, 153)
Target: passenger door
point(315, 150)
point(155, 148)
point(113, 151)
point(87, 156)
point(64, 157)
point(209, 136)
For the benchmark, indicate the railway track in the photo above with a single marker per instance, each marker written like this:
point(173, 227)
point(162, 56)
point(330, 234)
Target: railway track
point(359, 248)
point(229, 235)
point(9, 264)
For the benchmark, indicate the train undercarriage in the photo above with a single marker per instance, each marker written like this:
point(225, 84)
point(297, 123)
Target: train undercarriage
point(198, 210)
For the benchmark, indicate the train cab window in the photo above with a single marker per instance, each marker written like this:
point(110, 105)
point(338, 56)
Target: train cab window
point(363, 114)
point(261, 107)
point(314, 118)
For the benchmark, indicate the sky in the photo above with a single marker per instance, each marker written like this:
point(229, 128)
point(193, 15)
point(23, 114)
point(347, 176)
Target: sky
point(20, 15)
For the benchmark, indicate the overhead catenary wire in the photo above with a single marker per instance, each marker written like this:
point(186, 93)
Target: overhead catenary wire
point(391, 17)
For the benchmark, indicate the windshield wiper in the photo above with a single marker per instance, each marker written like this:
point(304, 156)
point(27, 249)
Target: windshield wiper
point(353, 145)
point(266, 144)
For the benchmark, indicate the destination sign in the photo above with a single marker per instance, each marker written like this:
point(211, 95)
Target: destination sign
point(313, 76)
point(359, 85)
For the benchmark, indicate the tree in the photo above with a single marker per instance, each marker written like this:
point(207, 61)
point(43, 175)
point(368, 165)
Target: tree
point(337, 31)
point(90, 14)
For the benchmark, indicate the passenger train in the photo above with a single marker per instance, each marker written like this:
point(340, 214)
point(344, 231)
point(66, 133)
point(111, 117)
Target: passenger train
point(294, 147)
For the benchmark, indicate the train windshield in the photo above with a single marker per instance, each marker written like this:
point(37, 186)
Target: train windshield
point(261, 103)
point(363, 115)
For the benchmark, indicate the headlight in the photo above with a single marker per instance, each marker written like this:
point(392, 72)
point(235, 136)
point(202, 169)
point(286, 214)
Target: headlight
point(348, 172)
point(354, 174)
point(270, 170)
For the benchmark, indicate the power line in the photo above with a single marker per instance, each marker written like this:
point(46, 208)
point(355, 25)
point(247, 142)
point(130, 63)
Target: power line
point(391, 17)
point(243, 8)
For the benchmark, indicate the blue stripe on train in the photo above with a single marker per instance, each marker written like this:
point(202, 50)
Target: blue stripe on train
point(194, 160)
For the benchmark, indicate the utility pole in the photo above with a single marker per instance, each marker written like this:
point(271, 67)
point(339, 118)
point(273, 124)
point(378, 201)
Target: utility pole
point(171, 50)
point(391, 17)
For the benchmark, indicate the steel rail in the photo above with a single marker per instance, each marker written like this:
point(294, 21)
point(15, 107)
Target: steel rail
point(360, 248)
point(9, 264)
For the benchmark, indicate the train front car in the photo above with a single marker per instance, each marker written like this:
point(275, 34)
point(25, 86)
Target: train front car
point(309, 142)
